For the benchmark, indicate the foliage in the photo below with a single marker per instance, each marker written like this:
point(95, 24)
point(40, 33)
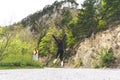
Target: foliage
point(110, 10)
point(15, 49)
point(1, 30)
point(86, 19)
point(67, 17)
point(70, 40)
point(101, 24)
point(106, 57)
point(46, 46)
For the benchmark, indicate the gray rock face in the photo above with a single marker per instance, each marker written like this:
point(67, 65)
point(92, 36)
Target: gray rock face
point(87, 52)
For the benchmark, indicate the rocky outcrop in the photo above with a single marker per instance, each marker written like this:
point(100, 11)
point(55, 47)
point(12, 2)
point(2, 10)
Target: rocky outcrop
point(87, 53)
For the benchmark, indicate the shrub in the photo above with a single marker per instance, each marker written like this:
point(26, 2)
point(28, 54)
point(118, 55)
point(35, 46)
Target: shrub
point(106, 57)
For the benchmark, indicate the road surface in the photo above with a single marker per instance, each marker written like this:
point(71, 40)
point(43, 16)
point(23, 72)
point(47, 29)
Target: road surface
point(60, 74)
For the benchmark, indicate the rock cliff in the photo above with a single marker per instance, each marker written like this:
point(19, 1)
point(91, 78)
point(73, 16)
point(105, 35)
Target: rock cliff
point(88, 52)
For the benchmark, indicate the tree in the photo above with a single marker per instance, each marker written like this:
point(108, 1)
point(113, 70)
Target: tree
point(86, 18)
point(46, 45)
point(5, 38)
point(67, 17)
point(16, 46)
point(111, 9)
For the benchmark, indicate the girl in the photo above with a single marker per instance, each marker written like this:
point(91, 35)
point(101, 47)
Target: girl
point(60, 48)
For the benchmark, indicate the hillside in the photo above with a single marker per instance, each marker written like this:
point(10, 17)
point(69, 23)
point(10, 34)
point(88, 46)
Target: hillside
point(51, 14)
point(92, 35)
point(91, 49)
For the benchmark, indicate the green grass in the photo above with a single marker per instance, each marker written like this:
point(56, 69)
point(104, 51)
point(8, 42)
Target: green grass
point(19, 67)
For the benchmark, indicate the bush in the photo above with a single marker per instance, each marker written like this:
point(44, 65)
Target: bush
point(70, 40)
point(101, 24)
point(18, 54)
point(106, 57)
point(19, 61)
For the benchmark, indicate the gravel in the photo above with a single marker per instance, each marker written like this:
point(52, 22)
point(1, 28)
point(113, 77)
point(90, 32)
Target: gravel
point(60, 74)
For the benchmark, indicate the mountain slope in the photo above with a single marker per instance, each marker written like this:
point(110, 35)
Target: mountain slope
point(91, 49)
point(41, 20)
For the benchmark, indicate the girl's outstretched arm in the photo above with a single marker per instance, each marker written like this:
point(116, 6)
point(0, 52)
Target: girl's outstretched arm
point(55, 38)
point(64, 37)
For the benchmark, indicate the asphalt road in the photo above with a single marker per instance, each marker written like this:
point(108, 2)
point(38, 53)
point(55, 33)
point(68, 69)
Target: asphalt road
point(60, 74)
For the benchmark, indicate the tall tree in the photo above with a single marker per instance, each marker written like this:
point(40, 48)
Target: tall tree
point(86, 18)
point(111, 9)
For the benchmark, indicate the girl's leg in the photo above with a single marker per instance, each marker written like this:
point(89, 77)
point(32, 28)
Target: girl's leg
point(61, 57)
point(56, 55)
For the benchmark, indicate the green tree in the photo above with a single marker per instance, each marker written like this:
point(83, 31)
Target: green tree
point(70, 40)
point(46, 45)
point(111, 10)
point(5, 38)
point(67, 17)
point(16, 47)
point(87, 18)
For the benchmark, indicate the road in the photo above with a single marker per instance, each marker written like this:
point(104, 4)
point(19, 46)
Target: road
point(60, 74)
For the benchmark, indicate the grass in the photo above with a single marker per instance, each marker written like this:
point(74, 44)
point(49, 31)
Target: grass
point(19, 67)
